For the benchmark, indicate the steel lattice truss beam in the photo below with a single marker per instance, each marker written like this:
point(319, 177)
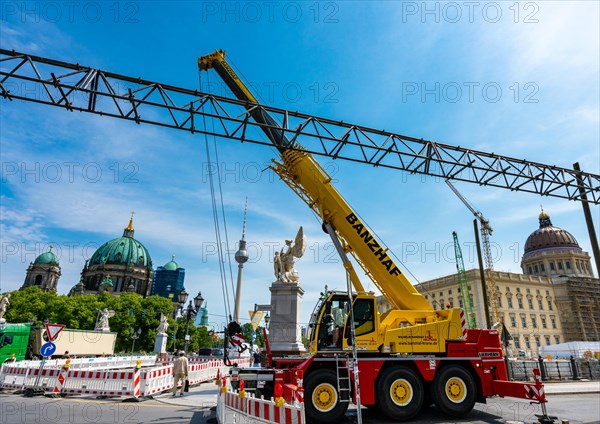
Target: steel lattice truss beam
point(80, 88)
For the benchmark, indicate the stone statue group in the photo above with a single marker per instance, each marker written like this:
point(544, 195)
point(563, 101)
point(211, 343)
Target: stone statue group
point(283, 262)
point(3, 306)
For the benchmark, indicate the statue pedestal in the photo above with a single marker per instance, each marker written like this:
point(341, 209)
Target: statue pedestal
point(160, 345)
point(284, 327)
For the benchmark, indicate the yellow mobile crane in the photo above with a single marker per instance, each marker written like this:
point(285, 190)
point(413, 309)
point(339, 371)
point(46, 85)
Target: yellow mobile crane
point(412, 325)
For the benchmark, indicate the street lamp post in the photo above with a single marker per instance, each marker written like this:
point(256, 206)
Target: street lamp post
point(135, 334)
point(191, 312)
point(182, 297)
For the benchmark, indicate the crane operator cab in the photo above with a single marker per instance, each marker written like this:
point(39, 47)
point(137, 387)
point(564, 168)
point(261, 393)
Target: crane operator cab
point(330, 330)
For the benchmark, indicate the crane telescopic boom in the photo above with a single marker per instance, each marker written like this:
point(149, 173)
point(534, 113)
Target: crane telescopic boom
point(308, 179)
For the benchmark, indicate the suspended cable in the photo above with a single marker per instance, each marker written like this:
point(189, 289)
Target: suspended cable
point(216, 218)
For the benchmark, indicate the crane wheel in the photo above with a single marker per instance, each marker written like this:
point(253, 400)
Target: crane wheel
point(322, 401)
point(400, 393)
point(454, 391)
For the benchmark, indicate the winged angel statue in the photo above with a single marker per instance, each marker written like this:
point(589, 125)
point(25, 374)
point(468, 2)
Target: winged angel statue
point(284, 260)
point(102, 324)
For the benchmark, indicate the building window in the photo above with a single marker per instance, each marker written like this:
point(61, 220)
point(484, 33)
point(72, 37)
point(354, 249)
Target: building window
point(530, 303)
point(557, 339)
point(551, 266)
point(523, 321)
point(578, 265)
point(499, 300)
point(528, 291)
point(535, 268)
point(547, 292)
point(517, 342)
point(553, 321)
point(560, 265)
point(543, 318)
point(568, 264)
point(520, 302)
point(518, 289)
point(509, 300)
point(513, 321)
point(533, 321)
point(537, 291)
point(450, 291)
point(507, 289)
point(527, 344)
point(451, 302)
point(549, 305)
point(460, 302)
point(441, 293)
point(529, 270)
point(542, 268)
point(547, 338)
point(540, 305)
point(537, 341)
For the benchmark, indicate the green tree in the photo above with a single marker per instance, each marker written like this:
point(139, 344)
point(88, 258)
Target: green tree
point(132, 311)
point(247, 333)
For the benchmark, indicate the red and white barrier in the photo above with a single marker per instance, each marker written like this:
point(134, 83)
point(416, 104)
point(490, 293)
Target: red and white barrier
point(233, 408)
point(106, 382)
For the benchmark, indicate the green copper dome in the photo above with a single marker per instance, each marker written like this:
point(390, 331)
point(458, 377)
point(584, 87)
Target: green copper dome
point(171, 265)
point(122, 251)
point(47, 258)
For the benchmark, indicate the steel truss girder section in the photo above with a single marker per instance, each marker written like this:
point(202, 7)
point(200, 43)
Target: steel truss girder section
point(80, 88)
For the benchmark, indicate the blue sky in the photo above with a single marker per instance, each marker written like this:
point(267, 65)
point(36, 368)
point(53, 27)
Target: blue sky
point(387, 65)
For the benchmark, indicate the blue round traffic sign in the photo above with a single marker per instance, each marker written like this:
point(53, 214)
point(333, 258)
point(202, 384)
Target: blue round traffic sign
point(47, 349)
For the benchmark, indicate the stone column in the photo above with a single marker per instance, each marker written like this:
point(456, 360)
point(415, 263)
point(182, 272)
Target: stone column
point(160, 345)
point(284, 327)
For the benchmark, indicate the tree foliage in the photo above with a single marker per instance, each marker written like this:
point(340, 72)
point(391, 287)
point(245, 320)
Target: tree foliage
point(247, 332)
point(132, 311)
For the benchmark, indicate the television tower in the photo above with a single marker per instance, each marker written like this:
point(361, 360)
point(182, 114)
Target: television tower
point(241, 257)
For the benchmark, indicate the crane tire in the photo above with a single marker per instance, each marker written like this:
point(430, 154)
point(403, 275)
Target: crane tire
point(454, 391)
point(400, 393)
point(322, 402)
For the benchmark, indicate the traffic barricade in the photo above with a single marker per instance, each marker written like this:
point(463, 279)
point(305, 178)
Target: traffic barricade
point(233, 408)
point(157, 380)
point(99, 382)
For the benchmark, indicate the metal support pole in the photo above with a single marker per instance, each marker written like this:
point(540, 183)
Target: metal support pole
point(542, 368)
point(486, 307)
point(187, 329)
point(588, 218)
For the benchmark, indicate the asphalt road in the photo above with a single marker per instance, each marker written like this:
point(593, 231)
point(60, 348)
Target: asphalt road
point(14, 409)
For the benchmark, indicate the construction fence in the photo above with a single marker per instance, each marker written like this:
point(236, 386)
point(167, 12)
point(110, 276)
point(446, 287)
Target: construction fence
point(133, 381)
point(554, 370)
point(287, 407)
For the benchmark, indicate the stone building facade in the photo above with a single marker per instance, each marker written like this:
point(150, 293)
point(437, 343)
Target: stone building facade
point(556, 300)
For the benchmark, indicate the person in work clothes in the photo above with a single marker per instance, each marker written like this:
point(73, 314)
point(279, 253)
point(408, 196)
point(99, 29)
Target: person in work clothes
point(180, 372)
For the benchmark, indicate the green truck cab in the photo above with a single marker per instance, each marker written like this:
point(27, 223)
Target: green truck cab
point(14, 340)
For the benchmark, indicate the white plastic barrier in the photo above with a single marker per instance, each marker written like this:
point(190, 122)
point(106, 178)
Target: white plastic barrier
point(99, 382)
point(112, 362)
point(232, 408)
point(104, 382)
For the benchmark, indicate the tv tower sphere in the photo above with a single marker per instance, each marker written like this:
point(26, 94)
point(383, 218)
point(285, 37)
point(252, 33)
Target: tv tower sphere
point(241, 256)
